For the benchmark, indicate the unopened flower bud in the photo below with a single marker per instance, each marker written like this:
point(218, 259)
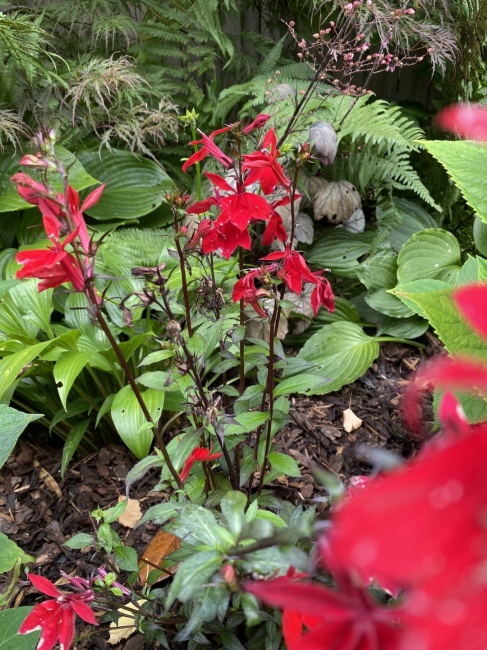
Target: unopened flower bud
point(173, 328)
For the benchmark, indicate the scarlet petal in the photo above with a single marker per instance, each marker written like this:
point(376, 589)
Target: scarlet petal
point(434, 505)
point(93, 198)
point(44, 585)
point(466, 120)
point(66, 629)
point(472, 303)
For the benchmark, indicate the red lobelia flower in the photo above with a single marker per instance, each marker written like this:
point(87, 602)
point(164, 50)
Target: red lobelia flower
point(466, 120)
point(295, 271)
point(245, 289)
point(53, 266)
point(199, 454)
point(209, 148)
point(263, 166)
point(55, 618)
point(322, 294)
point(258, 123)
point(274, 230)
point(345, 619)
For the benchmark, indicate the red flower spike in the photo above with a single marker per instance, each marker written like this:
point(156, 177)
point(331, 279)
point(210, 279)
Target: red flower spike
point(340, 620)
point(467, 120)
point(199, 454)
point(225, 237)
point(471, 301)
point(438, 538)
point(242, 207)
point(55, 618)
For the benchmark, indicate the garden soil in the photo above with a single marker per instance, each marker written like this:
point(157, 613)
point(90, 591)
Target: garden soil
point(40, 511)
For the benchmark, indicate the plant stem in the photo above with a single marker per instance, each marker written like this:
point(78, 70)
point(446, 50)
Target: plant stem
point(392, 339)
point(130, 378)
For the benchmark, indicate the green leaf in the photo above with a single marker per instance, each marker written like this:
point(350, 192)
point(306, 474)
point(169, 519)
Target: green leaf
point(414, 218)
point(388, 304)
point(74, 437)
point(11, 365)
point(403, 328)
point(135, 186)
point(67, 369)
point(206, 607)
point(128, 418)
point(12, 424)
point(202, 524)
point(233, 507)
point(480, 235)
point(252, 420)
point(432, 300)
point(432, 253)
point(339, 251)
point(299, 384)
point(10, 622)
point(343, 353)
point(81, 540)
point(192, 574)
point(10, 553)
point(277, 521)
point(465, 162)
point(284, 464)
point(155, 357)
point(378, 271)
point(126, 558)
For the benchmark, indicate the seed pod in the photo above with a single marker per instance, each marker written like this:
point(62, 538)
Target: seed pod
point(324, 138)
point(336, 202)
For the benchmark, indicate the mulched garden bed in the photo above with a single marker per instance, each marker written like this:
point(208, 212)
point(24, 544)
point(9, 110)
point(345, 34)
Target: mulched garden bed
point(40, 511)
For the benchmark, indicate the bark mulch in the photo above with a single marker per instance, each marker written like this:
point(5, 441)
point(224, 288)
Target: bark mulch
point(40, 511)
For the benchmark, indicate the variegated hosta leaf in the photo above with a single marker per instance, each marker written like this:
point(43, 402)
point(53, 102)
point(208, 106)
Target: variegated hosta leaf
point(356, 222)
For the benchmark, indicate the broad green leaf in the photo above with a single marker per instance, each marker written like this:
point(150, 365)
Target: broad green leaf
point(10, 622)
point(12, 424)
point(126, 558)
point(339, 251)
point(10, 553)
point(438, 307)
point(403, 328)
point(36, 305)
point(343, 352)
point(283, 463)
point(378, 271)
point(74, 437)
point(302, 383)
point(201, 523)
point(128, 418)
point(192, 574)
point(388, 304)
point(135, 186)
point(155, 357)
point(139, 470)
point(414, 219)
point(277, 521)
point(210, 604)
point(67, 369)
point(432, 253)
point(81, 540)
point(465, 162)
point(11, 365)
point(179, 449)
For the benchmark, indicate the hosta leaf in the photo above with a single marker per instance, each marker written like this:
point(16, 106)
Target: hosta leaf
point(465, 162)
point(12, 424)
point(11, 365)
point(75, 436)
point(67, 369)
point(339, 251)
point(129, 419)
point(414, 218)
point(135, 186)
point(403, 328)
point(343, 352)
point(432, 253)
point(388, 304)
point(378, 271)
